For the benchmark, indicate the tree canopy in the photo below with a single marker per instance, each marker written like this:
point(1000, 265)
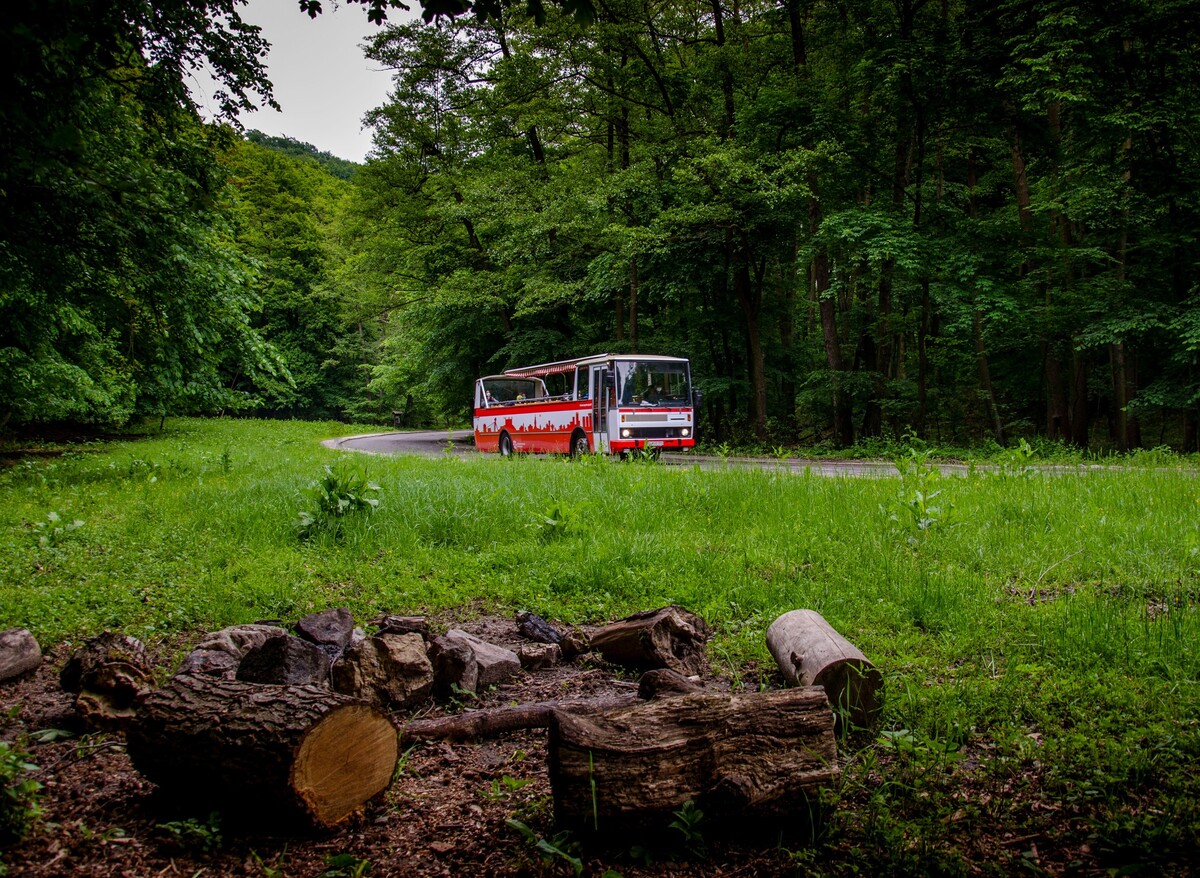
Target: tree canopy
point(861, 219)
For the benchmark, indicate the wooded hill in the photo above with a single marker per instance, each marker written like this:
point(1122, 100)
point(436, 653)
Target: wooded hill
point(971, 220)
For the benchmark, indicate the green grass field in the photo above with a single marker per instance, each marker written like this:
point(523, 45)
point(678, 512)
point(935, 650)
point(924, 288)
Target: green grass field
point(1038, 633)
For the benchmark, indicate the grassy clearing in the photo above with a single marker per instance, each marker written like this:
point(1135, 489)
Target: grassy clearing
point(1038, 633)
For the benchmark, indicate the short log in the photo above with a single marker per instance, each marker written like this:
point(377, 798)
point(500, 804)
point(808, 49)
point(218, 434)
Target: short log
point(669, 637)
point(751, 760)
point(295, 751)
point(810, 652)
point(19, 653)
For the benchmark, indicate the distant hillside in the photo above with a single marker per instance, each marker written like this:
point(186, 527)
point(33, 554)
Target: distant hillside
point(341, 168)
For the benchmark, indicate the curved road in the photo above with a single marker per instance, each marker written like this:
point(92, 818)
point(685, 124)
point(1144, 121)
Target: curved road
point(434, 443)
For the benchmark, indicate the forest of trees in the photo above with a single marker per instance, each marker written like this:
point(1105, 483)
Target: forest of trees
point(966, 220)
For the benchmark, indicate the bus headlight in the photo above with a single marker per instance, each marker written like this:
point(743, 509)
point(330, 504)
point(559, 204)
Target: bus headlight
point(626, 432)
point(685, 432)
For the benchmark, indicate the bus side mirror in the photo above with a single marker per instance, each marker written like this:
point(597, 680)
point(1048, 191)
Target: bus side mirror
point(697, 398)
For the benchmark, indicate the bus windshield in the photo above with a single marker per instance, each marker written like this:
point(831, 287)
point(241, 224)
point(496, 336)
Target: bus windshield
point(652, 383)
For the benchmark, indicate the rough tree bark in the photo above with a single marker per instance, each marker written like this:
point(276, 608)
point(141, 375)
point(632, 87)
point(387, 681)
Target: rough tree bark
point(669, 637)
point(744, 760)
point(289, 751)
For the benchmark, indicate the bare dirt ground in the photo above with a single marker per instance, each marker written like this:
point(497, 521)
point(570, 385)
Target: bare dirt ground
point(449, 810)
point(445, 814)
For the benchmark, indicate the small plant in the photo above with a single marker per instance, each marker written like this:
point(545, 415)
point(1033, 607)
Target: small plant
point(19, 793)
point(505, 786)
point(687, 822)
point(345, 866)
point(560, 845)
point(275, 869)
point(192, 834)
point(53, 528)
point(339, 494)
point(557, 521)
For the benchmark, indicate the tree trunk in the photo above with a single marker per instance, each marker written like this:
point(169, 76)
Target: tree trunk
point(751, 760)
point(300, 751)
point(750, 300)
point(670, 637)
point(810, 652)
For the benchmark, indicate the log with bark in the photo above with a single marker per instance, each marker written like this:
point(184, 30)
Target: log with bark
point(477, 724)
point(669, 637)
point(19, 653)
point(747, 761)
point(810, 652)
point(283, 751)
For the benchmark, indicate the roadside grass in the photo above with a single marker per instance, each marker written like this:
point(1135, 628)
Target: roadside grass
point(1038, 632)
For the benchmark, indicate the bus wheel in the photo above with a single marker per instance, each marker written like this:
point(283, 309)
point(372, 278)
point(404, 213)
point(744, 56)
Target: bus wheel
point(579, 445)
point(506, 448)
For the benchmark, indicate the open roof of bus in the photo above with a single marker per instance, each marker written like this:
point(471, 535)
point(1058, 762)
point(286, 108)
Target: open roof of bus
point(543, 369)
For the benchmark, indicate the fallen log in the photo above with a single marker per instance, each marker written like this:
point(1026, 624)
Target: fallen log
point(752, 760)
point(477, 724)
point(19, 653)
point(810, 652)
point(293, 751)
point(669, 637)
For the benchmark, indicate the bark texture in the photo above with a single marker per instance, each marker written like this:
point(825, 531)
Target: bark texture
point(669, 637)
point(287, 751)
point(810, 652)
point(755, 759)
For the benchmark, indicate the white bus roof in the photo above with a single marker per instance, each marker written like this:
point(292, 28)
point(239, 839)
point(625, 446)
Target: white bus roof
point(543, 369)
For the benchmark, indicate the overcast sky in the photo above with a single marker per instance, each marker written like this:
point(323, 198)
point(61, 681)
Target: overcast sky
point(321, 78)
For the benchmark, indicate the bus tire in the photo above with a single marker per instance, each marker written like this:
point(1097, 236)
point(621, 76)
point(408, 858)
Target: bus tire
point(505, 446)
point(579, 445)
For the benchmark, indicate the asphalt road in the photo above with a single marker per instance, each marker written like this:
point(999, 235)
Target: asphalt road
point(434, 443)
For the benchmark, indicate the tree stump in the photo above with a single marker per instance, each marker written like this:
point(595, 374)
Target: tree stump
point(810, 652)
point(753, 760)
point(295, 751)
point(670, 637)
point(19, 653)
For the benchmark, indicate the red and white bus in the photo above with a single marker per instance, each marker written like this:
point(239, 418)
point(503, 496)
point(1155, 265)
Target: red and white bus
point(608, 403)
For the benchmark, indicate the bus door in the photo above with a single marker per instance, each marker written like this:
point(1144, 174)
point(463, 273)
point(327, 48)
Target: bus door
point(599, 409)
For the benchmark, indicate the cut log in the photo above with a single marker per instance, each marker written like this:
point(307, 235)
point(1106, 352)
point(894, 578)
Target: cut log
point(670, 637)
point(107, 674)
point(286, 661)
point(390, 670)
point(476, 724)
point(19, 653)
point(753, 760)
point(810, 652)
point(296, 751)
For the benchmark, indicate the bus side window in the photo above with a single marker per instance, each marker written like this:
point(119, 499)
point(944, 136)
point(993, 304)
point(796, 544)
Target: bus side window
point(582, 389)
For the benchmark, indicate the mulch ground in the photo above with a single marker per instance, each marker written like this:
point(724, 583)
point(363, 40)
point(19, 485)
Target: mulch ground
point(445, 814)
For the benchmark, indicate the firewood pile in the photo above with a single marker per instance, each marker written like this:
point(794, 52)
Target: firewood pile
point(309, 723)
